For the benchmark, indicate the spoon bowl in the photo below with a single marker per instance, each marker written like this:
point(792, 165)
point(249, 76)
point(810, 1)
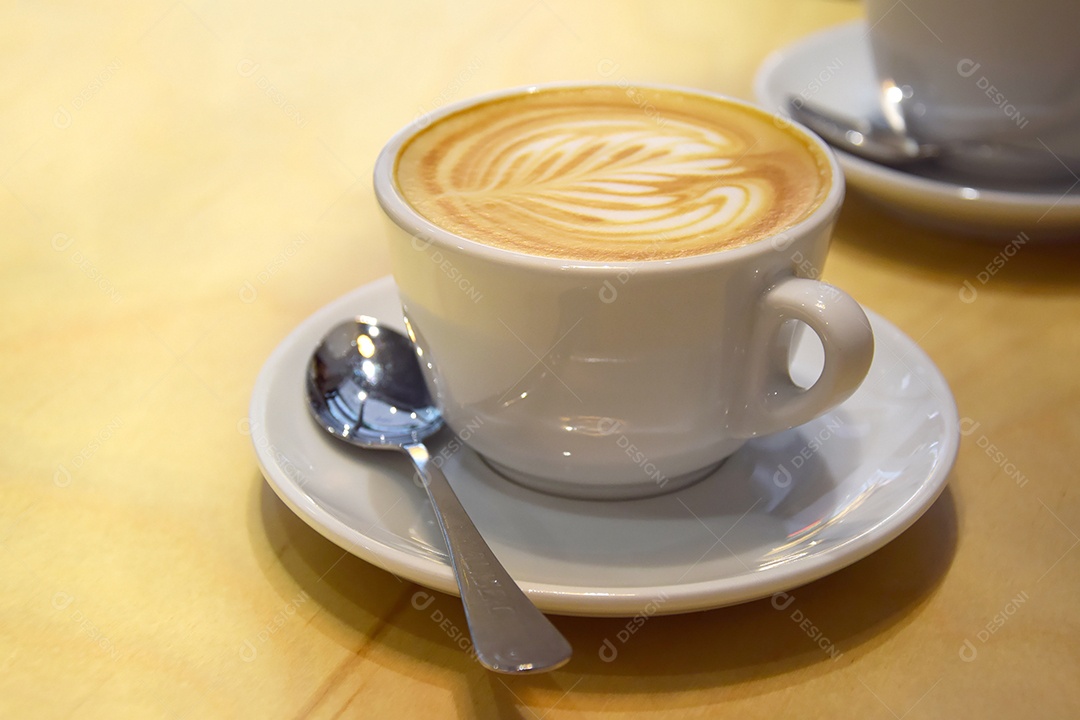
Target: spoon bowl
point(365, 387)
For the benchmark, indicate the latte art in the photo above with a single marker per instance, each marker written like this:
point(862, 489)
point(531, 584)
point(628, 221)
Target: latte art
point(586, 174)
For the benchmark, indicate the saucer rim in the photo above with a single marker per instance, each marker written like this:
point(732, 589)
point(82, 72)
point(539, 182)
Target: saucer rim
point(583, 601)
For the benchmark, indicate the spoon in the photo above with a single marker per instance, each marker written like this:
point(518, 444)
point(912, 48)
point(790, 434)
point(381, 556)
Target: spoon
point(364, 386)
point(885, 143)
point(889, 143)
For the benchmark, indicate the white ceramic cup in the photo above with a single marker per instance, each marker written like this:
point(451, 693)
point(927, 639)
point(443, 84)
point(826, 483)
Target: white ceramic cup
point(995, 83)
point(619, 379)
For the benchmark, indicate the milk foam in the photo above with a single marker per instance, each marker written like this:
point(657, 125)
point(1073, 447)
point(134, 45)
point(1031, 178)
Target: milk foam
point(587, 174)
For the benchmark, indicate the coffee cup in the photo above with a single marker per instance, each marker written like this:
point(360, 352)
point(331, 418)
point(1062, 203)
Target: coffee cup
point(994, 85)
point(602, 281)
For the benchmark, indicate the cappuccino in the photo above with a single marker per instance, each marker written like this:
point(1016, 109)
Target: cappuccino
point(604, 173)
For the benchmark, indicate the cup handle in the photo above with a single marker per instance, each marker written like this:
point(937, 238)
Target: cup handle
point(773, 402)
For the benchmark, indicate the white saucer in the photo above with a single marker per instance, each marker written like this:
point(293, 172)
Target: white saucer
point(835, 71)
point(782, 511)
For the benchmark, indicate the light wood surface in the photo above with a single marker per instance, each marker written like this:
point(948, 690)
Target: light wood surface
point(181, 183)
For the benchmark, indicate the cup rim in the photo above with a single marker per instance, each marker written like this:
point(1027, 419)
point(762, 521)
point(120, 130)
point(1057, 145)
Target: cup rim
point(398, 209)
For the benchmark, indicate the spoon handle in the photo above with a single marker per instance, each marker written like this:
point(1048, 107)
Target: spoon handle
point(509, 634)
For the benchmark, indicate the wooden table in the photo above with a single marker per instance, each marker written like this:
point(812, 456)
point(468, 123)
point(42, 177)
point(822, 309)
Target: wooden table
point(182, 183)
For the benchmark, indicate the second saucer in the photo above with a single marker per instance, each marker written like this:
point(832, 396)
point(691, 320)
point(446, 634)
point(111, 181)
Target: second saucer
point(833, 69)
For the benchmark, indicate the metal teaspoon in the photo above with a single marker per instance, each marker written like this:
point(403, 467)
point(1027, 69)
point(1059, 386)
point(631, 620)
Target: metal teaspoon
point(364, 386)
point(875, 141)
